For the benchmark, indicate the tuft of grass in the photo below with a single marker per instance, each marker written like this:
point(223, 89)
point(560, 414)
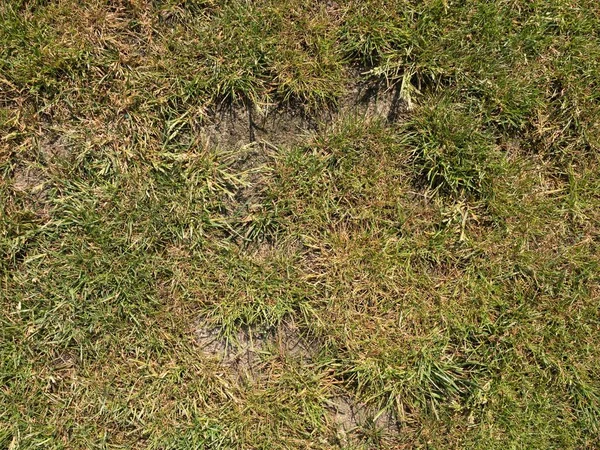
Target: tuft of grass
point(452, 150)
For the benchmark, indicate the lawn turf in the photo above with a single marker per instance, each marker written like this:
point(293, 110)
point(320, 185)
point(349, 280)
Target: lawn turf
point(438, 263)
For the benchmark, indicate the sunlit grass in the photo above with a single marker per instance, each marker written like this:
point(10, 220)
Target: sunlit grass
point(441, 263)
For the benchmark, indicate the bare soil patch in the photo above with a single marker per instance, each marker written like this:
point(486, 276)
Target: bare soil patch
point(244, 353)
point(236, 126)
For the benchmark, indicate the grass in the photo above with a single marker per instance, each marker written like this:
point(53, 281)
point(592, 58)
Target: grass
point(444, 265)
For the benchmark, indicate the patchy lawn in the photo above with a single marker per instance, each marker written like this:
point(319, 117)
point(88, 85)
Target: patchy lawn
point(284, 224)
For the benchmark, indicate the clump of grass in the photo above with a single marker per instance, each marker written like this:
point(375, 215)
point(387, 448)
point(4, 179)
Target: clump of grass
point(452, 150)
point(282, 51)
